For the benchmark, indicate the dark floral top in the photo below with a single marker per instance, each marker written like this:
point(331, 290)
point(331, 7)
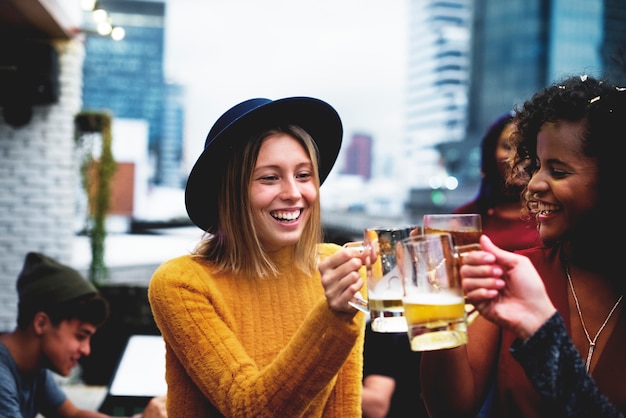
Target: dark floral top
point(556, 370)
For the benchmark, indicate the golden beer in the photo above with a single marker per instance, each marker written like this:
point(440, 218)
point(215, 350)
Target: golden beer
point(460, 237)
point(387, 315)
point(384, 280)
point(465, 228)
point(386, 305)
point(435, 321)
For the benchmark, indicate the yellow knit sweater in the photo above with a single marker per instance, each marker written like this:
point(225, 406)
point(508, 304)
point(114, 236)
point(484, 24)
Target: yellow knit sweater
point(256, 347)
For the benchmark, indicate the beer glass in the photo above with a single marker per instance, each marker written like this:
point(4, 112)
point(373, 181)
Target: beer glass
point(434, 304)
point(465, 228)
point(383, 280)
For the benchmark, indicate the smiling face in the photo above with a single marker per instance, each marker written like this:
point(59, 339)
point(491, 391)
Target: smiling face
point(64, 344)
point(282, 191)
point(565, 186)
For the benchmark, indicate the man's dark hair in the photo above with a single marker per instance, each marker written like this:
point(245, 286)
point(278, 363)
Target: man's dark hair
point(93, 309)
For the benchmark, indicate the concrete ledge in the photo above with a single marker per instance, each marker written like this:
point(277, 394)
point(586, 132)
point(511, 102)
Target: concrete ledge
point(132, 258)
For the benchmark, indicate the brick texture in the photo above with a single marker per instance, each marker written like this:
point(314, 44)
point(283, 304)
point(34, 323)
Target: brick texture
point(39, 180)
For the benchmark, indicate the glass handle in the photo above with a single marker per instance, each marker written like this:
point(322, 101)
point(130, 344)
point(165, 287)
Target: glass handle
point(357, 300)
point(359, 303)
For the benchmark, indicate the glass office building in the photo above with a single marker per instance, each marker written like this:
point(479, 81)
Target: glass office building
point(126, 78)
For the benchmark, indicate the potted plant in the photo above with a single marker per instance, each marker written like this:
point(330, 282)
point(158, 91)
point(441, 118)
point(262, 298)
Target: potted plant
point(130, 311)
point(96, 176)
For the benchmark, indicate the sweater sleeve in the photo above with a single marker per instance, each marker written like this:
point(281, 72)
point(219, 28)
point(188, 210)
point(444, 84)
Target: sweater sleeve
point(555, 368)
point(196, 326)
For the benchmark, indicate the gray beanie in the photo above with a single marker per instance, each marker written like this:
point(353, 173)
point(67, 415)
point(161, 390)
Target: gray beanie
point(46, 282)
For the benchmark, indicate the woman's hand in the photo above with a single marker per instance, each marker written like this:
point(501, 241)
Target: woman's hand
point(506, 289)
point(341, 278)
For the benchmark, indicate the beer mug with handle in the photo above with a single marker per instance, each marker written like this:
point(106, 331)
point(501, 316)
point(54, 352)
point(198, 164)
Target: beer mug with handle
point(384, 282)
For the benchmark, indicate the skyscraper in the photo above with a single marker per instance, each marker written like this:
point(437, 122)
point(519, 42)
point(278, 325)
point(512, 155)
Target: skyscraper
point(359, 156)
point(439, 57)
point(126, 78)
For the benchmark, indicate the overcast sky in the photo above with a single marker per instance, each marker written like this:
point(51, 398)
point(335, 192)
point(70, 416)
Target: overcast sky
point(350, 53)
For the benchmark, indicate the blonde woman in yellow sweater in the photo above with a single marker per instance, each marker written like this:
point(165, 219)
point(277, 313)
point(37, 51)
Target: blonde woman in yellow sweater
point(256, 321)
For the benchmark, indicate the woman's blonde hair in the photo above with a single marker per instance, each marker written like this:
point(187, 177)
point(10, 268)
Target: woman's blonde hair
point(235, 247)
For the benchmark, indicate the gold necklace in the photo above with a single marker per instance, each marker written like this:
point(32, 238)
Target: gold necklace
point(592, 343)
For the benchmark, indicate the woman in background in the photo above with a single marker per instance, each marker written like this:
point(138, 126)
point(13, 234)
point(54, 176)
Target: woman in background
point(498, 202)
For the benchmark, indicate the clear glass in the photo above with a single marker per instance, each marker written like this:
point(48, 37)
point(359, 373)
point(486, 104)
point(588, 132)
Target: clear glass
point(383, 280)
point(465, 228)
point(434, 304)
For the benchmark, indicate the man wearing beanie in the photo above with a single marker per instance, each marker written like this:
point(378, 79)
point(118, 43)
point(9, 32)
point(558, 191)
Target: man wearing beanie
point(58, 312)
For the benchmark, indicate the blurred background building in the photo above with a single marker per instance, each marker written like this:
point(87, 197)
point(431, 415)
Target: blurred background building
point(127, 78)
point(437, 86)
point(359, 156)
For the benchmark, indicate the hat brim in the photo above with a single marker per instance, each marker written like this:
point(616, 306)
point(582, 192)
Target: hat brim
point(315, 116)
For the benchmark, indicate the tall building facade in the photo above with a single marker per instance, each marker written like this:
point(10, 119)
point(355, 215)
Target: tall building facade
point(359, 156)
point(170, 148)
point(613, 48)
point(126, 78)
point(437, 84)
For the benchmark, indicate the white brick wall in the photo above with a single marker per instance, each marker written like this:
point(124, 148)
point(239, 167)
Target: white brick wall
point(38, 182)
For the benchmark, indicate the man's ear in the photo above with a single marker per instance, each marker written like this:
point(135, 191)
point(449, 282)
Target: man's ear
point(40, 322)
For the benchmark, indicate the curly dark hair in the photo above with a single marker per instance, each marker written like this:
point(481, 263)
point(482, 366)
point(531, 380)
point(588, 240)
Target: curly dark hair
point(601, 106)
point(574, 99)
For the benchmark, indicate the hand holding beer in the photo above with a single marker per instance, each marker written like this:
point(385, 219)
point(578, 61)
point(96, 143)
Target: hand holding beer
point(384, 281)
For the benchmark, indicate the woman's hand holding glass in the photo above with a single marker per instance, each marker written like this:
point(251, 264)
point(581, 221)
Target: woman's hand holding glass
point(358, 301)
point(370, 249)
point(341, 278)
point(501, 285)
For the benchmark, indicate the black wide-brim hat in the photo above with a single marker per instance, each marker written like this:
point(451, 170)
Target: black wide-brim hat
point(230, 133)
